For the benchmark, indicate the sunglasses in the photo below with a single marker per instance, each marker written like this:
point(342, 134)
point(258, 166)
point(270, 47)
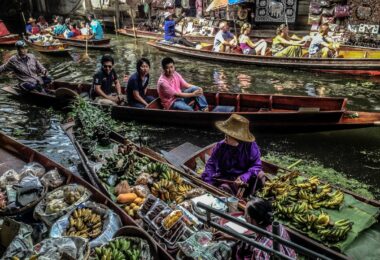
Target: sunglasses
point(107, 66)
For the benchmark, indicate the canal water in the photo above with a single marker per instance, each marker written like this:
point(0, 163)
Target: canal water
point(354, 152)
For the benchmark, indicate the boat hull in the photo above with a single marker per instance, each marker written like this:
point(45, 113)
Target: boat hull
point(103, 44)
point(61, 50)
point(9, 40)
point(354, 66)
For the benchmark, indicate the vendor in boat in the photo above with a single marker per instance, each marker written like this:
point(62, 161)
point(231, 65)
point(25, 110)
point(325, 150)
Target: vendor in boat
point(60, 28)
point(102, 84)
point(32, 28)
point(41, 22)
point(235, 161)
point(96, 27)
point(285, 46)
point(84, 28)
point(258, 212)
point(224, 39)
point(74, 31)
point(30, 73)
point(247, 46)
point(170, 85)
point(169, 30)
point(321, 45)
point(138, 85)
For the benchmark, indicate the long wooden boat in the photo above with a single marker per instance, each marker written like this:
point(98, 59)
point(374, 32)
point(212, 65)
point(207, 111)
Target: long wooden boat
point(10, 39)
point(14, 155)
point(183, 154)
point(56, 50)
point(276, 113)
point(190, 179)
point(351, 61)
point(80, 41)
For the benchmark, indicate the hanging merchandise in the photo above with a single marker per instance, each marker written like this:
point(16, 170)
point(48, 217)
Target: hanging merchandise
point(279, 11)
point(242, 13)
point(314, 19)
point(328, 12)
point(185, 4)
point(342, 11)
point(315, 8)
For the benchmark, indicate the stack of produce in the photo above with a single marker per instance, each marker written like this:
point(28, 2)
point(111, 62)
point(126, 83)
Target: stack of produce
point(85, 223)
point(120, 248)
point(300, 200)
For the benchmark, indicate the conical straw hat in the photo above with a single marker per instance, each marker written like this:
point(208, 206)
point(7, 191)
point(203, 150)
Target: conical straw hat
point(237, 127)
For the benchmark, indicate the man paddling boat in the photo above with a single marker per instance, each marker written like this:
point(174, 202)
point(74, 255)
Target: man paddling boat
point(30, 73)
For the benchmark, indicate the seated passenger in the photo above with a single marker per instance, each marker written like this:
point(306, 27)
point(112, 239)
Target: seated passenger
point(60, 28)
point(247, 46)
point(321, 45)
point(258, 212)
point(42, 23)
point(169, 30)
point(170, 85)
point(224, 39)
point(236, 158)
point(102, 87)
point(32, 28)
point(84, 28)
point(73, 31)
point(285, 46)
point(137, 85)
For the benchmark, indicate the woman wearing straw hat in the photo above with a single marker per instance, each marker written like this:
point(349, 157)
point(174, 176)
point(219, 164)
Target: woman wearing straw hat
point(235, 161)
point(32, 28)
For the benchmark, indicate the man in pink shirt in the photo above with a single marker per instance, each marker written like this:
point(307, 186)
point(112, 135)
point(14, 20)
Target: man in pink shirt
point(170, 85)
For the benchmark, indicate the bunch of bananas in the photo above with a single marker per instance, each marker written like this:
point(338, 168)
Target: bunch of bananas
point(172, 176)
point(338, 232)
point(156, 168)
point(289, 211)
point(335, 199)
point(84, 223)
point(181, 192)
point(164, 190)
point(119, 249)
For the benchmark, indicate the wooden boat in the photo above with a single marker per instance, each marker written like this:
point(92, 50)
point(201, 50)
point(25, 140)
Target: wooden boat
point(352, 61)
point(152, 35)
point(186, 156)
point(80, 41)
point(57, 50)
point(267, 112)
point(15, 155)
point(10, 39)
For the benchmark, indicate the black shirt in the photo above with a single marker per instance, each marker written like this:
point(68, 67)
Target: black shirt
point(105, 81)
point(135, 83)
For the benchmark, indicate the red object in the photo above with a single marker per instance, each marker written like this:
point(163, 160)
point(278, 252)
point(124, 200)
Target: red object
point(76, 32)
point(35, 29)
point(3, 29)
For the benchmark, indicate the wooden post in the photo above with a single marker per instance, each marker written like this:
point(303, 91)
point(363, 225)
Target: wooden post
point(133, 22)
point(114, 23)
point(117, 14)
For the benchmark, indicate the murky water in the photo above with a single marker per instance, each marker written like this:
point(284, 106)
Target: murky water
point(354, 152)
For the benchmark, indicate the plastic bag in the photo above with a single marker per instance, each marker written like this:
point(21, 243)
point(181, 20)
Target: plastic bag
point(111, 223)
point(52, 198)
point(34, 169)
point(52, 179)
point(21, 245)
point(53, 248)
point(10, 177)
point(141, 191)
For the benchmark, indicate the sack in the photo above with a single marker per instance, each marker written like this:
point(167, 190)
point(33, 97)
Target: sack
point(314, 19)
point(315, 8)
point(342, 11)
point(328, 12)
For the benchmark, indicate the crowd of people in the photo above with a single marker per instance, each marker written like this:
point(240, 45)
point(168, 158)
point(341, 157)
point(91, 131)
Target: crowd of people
point(283, 45)
point(65, 27)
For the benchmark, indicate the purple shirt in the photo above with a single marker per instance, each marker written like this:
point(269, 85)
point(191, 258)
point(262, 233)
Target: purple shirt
point(27, 69)
point(229, 162)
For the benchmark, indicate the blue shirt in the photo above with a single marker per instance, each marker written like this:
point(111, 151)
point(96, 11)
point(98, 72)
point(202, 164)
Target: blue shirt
point(135, 83)
point(97, 29)
point(169, 29)
point(221, 37)
point(59, 29)
point(29, 28)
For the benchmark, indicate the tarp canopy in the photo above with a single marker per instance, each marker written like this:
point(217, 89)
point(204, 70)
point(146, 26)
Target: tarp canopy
point(3, 29)
point(217, 4)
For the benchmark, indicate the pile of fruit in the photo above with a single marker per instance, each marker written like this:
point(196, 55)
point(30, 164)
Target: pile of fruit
point(84, 223)
point(62, 199)
point(300, 200)
point(119, 249)
point(132, 203)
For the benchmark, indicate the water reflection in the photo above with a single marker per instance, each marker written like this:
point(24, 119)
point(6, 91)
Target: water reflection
point(354, 152)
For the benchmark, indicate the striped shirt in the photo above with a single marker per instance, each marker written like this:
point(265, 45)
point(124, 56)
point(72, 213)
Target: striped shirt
point(249, 252)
